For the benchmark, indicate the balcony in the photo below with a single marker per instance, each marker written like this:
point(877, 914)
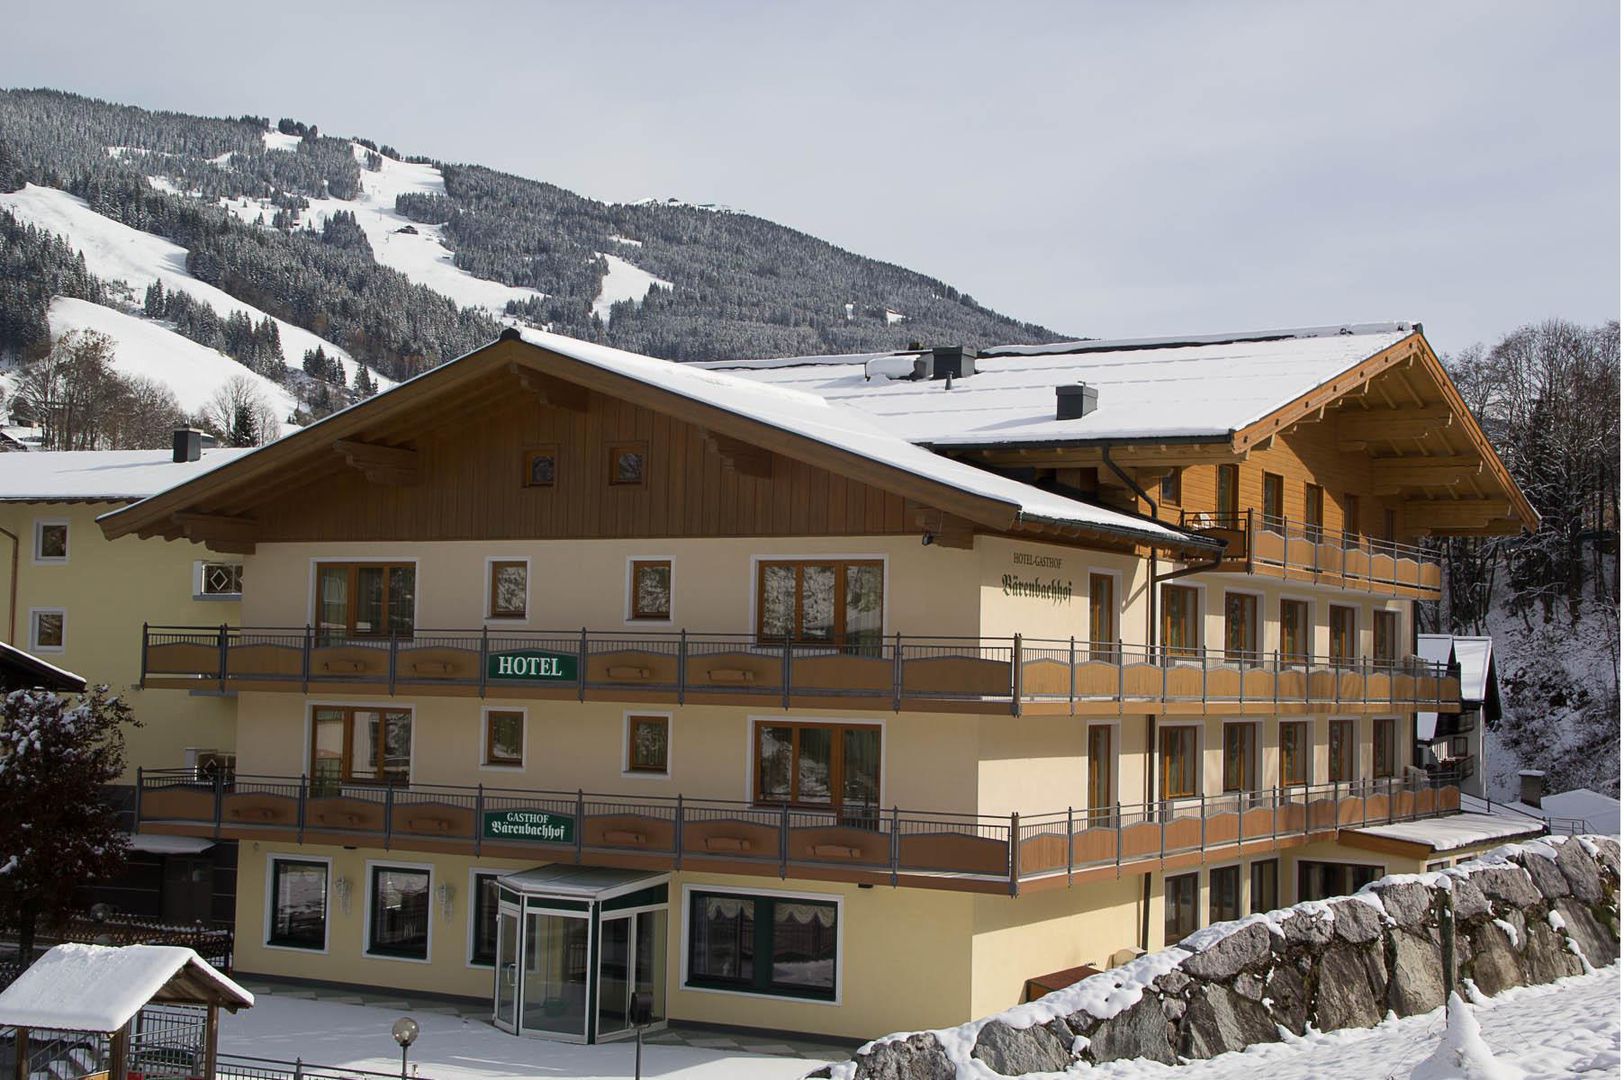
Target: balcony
point(981, 675)
point(1298, 552)
point(868, 845)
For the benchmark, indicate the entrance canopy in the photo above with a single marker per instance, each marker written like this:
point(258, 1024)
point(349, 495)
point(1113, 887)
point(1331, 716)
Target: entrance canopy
point(591, 883)
point(100, 988)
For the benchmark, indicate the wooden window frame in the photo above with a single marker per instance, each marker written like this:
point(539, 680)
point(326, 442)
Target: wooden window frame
point(837, 638)
point(1233, 874)
point(1350, 519)
point(1109, 647)
point(1228, 509)
point(527, 465)
point(347, 754)
point(1304, 650)
point(491, 759)
point(1196, 619)
point(1248, 766)
point(1384, 637)
point(663, 721)
point(1383, 747)
point(1351, 633)
point(1276, 484)
point(837, 762)
point(492, 567)
point(1172, 929)
point(625, 446)
point(635, 613)
point(1347, 761)
point(1189, 772)
point(1101, 778)
point(1314, 511)
point(1302, 759)
point(1273, 867)
point(352, 593)
point(1171, 488)
point(1252, 603)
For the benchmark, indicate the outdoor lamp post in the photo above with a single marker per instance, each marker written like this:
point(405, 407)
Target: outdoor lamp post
point(405, 1033)
point(641, 1013)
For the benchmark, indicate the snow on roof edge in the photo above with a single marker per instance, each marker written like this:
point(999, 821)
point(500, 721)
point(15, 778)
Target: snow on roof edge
point(1177, 340)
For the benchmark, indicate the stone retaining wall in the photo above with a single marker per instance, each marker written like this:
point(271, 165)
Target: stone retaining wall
point(1524, 914)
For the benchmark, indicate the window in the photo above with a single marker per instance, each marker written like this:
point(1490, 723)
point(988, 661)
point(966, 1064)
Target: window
point(1102, 615)
point(651, 589)
point(1389, 525)
point(1314, 511)
point(1181, 620)
point(47, 630)
point(219, 579)
point(1323, 880)
point(1350, 519)
point(1274, 501)
point(541, 466)
point(1179, 761)
point(1100, 794)
point(509, 589)
point(838, 603)
point(1344, 751)
point(482, 946)
point(1384, 638)
point(763, 944)
point(1344, 634)
point(365, 599)
point(1294, 752)
point(1229, 494)
point(1296, 626)
point(648, 744)
point(298, 909)
point(1173, 487)
point(360, 746)
point(1383, 736)
point(1223, 894)
point(628, 462)
point(1178, 904)
point(51, 541)
point(1265, 885)
point(818, 764)
point(1240, 756)
point(1458, 747)
point(1240, 628)
point(398, 913)
point(504, 738)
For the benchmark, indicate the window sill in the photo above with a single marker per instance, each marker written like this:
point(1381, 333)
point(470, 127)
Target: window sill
point(204, 598)
point(497, 766)
point(368, 954)
point(765, 995)
point(645, 774)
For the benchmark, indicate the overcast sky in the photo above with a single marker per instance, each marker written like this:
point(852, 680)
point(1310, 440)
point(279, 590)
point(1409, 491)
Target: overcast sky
point(1106, 169)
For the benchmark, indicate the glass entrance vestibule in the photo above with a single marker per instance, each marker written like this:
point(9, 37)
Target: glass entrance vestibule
point(573, 944)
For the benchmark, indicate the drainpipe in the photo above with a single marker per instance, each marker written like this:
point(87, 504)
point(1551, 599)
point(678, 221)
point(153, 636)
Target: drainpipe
point(11, 611)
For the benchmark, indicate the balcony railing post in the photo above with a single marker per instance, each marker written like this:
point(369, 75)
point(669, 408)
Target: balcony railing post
point(682, 665)
point(1202, 810)
point(388, 815)
point(580, 674)
point(146, 634)
point(1071, 675)
point(1122, 676)
point(479, 818)
point(484, 658)
point(788, 669)
point(1016, 663)
point(304, 795)
point(896, 673)
point(219, 800)
point(394, 658)
point(896, 845)
point(783, 842)
point(224, 646)
point(1240, 819)
point(676, 834)
point(1071, 837)
point(1205, 664)
point(304, 659)
point(140, 780)
point(1014, 853)
point(580, 823)
point(1161, 817)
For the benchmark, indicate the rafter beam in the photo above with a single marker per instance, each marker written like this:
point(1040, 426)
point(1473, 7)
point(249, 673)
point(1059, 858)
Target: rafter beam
point(1392, 475)
point(552, 393)
point(945, 530)
point(219, 531)
point(741, 457)
point(1441, 514)
point(380, 464)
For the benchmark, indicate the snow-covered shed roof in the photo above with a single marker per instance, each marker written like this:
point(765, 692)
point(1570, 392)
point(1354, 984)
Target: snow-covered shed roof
point(100, 987)
point(1473, 654)
point(100, 475)
point(1599, 812)
point(1185, 387)
point(24, 670)
point(1453, 831)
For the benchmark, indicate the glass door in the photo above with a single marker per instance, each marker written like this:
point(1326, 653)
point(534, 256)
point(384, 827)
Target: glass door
point(631, 960)
point(506, 1009)
point(553, 974)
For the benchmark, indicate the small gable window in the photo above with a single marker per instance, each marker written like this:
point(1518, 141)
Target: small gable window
point(541, 466)
point(628, 463)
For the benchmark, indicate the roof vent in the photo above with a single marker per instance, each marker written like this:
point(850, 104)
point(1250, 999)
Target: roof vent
point(188, 444)
point(952, 362)
point(1075, 401)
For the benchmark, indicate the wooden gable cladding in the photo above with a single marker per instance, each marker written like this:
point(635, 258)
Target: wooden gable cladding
point(471, 485)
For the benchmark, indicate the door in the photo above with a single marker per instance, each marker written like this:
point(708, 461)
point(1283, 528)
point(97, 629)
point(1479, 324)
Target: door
point(631, 960)
point(553, 975)
point(1100, 795)
point(506, 1010)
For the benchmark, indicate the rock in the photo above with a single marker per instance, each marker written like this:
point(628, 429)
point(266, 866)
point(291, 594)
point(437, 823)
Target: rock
point(1495, 964)
point(1507, 885)
point(1584, 876)
point(1220, 1020)
point(1549, 880)
point(1173, 1009)
point(1545, 953)
point(1356, 921)
point(1173, 982)
point(1469, 899)
point(918, 1057)
point(1288, 999)
point(1012, 1051)
point(1594, 940)
point(819, 1074)
point(1139, 1031)
point(1417, 981)
point(1606, 852)
point(1352, 988)
point(1306, 928)
point(1230, 954)
point(1249, 986)
point(1408, 903)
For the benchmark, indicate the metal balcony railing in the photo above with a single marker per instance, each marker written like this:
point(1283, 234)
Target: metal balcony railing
point(870, 842)
point(1282, 546)
point(1013, 673)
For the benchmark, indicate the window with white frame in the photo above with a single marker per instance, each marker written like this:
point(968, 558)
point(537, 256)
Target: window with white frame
point(219, 580)
point(51, 541)
point(47, 629)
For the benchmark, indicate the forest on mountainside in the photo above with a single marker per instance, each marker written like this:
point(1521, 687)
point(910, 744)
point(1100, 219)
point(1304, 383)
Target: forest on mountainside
point(1548, 397)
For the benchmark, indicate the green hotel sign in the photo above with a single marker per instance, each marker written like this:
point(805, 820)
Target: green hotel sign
point(531, 664)
point(540, 825)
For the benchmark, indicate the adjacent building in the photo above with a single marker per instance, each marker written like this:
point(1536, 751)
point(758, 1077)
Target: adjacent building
point(831, 694)
point(1450, 745)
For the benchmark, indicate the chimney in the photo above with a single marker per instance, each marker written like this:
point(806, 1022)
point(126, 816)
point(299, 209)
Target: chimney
point(1075, 401)
point(188, 445)
point(1533, 787)
point(952, 362)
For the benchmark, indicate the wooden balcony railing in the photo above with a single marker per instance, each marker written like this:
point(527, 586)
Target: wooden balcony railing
point(859, 843)
point(1283, 548)
point(1012, 674)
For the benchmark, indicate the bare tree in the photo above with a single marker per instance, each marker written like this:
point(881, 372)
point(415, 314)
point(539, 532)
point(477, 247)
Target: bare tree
point(240, 414)
point(147, 414)
point(72, 391)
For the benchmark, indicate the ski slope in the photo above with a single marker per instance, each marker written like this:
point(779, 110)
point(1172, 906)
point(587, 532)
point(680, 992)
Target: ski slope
point(116, 252)
point(623, 282)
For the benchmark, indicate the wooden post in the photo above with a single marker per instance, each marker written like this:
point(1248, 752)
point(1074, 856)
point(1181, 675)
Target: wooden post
point(1446, 936)
point(211, 1042)
point(20, 1048)
point(118, 1068)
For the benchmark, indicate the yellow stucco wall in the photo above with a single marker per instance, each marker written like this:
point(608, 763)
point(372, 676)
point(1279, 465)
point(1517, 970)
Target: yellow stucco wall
point(107, 589)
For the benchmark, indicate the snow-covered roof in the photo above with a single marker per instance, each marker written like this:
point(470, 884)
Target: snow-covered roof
point(1454, 831)
point(100, 988)
point(100, 475)
point(1599, 812)
point(846, 426)
point(1473, 654)
point(1183, 387)
point(33, 668)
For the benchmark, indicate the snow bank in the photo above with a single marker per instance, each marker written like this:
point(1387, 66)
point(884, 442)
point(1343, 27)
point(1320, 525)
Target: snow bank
point(1462, 1054)
point(623, 282)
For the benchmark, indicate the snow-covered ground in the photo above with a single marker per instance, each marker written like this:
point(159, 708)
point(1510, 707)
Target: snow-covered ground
point(116, 252)
point(454, 1048)
point(623, 282)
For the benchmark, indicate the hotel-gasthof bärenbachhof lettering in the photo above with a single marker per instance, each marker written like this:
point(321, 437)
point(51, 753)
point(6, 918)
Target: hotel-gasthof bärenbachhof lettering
point(1036, 587)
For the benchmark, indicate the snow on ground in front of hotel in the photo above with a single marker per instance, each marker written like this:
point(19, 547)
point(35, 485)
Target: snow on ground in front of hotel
point(115, 252)
point(454, 1048)
point(623, 282)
